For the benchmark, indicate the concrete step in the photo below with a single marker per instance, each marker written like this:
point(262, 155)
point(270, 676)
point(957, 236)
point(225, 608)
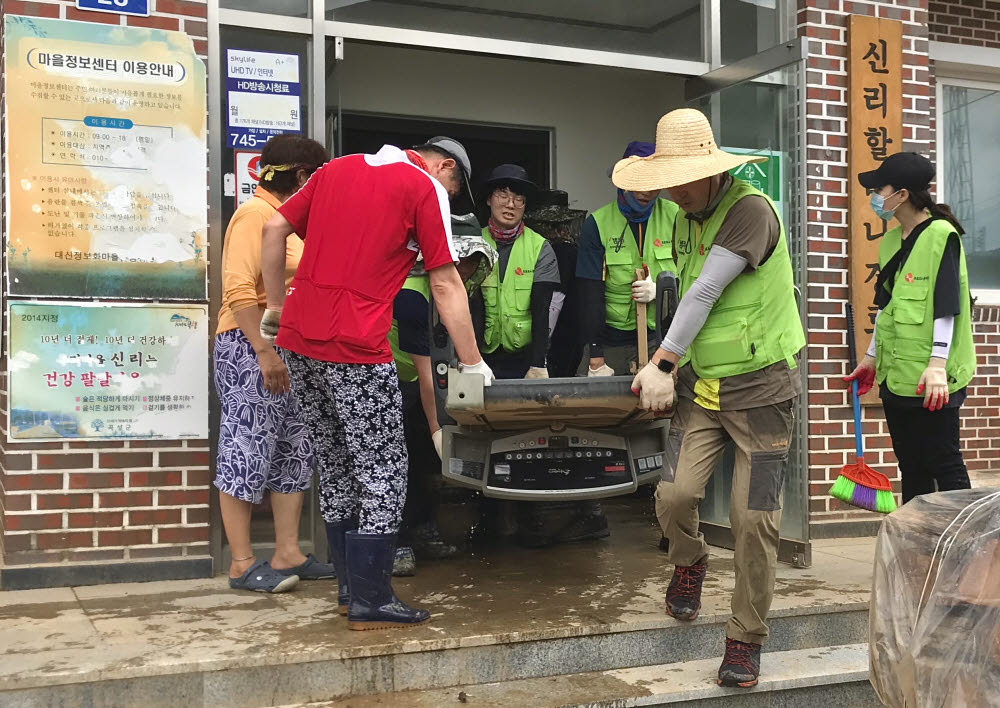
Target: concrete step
point(502, 614)
point(835, 675)
point(422, 665)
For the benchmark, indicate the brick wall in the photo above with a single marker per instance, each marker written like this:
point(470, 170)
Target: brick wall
point(981, 412)
point(78, 502)
point(824, 22)
point(973, 22)
point(977, 23)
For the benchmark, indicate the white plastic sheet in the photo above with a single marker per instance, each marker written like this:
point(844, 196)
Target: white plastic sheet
point(935, 609)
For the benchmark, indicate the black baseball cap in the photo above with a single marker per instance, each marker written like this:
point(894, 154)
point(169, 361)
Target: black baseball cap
point(904, 170)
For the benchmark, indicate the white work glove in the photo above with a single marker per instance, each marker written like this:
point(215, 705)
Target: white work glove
point(269, 324)
point(437, 437)
point(602, 370)
point(934, 384)
point(644, 290)
point(537, 372)
point(481, 367)
point(654, 388)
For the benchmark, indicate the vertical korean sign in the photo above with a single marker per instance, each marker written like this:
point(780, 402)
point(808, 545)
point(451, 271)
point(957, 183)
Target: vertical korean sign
point(85, 371)
point(106, 161)
point(875, 131)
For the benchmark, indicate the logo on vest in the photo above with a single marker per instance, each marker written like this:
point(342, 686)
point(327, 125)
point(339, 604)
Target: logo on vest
point(909, 277)
point(518, 272)
point(657, 243)
point(701, 249)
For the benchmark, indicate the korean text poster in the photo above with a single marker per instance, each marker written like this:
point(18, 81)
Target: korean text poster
point(96, 372)
point(106, 161)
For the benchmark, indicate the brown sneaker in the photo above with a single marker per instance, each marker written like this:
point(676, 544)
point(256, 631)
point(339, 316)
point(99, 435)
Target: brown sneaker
point(741, 665)
point(684, 592)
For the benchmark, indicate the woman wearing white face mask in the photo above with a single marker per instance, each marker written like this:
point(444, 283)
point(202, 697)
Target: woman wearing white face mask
point(921, 353)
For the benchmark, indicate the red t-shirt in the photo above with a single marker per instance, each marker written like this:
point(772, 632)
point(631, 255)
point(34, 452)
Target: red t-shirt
point(363, 218)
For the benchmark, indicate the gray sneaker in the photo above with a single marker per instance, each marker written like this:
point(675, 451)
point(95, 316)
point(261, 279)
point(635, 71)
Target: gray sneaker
point(261, 577)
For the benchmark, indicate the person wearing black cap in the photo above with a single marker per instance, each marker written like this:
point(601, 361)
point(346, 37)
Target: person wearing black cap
point(921, 353)
point(518, 292)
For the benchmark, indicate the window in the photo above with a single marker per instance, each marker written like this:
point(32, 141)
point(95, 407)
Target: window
point(288, 8)
point(748, 27)
point(647, 27)
point(968, 172)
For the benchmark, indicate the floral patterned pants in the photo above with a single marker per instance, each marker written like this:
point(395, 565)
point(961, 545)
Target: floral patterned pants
point(354, 414)
point(263, 441)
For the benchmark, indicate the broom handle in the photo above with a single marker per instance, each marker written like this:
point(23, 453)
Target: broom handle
point(853, 360)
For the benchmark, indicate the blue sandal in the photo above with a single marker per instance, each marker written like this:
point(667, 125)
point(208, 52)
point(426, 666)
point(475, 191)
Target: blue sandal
point(312, 569)
point(261, 577)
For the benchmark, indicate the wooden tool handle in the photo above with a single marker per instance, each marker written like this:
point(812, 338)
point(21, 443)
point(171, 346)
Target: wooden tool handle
point(640, 324)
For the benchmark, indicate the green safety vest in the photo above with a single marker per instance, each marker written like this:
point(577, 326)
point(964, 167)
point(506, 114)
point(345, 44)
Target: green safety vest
point(508, 303)
point(622, 259)
point(404, 362)
point(905, 330)
point(755, 323)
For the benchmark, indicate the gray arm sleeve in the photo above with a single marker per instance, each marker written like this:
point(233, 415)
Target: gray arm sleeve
point(720, 269)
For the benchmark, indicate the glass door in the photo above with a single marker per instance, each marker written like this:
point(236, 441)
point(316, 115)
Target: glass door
point(250, 111)
point(761, 114)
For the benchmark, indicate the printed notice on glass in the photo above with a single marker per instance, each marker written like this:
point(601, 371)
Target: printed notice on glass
point(106, 161)
point(92, 372)
point(264, 97)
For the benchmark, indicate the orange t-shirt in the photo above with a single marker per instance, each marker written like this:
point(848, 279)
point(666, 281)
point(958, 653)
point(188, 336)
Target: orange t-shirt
point(242, 284)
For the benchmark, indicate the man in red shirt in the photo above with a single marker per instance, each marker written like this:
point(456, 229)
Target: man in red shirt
point(364, 218)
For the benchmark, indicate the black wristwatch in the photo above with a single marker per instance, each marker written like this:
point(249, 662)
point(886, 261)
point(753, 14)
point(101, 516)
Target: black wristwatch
point(665, 365)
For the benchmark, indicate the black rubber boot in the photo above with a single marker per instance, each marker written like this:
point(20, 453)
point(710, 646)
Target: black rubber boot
point(741, 665)
point(369, 574)
point(427, 542)
point(335, 541)
point(585, 527)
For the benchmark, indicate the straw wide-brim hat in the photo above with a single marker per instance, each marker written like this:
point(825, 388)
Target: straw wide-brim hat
point(685, 152)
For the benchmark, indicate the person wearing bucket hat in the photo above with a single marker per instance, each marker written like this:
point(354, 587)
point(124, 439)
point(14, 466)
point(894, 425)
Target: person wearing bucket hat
point(733, 347)
point(409, 338)
point(921, 352)
point(606, 266)
point(517, 294)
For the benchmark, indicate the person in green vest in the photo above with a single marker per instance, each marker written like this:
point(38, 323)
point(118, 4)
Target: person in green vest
point(409, 338)
point(632, 232)
point(732, 350)
point(921, 351)
point(517, 294)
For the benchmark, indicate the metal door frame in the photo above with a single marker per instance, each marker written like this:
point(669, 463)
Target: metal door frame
point(763, 67)
point(708, 70)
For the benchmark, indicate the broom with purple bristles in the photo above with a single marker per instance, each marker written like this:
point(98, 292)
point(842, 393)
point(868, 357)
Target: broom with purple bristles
point(858, 484)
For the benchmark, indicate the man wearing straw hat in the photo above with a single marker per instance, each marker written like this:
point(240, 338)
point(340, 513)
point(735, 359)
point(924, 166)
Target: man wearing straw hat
point(731, 349)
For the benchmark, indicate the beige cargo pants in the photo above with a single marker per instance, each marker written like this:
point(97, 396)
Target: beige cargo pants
point(761, 436)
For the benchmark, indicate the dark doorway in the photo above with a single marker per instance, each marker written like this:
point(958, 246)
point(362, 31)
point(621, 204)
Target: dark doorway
point(488, 145)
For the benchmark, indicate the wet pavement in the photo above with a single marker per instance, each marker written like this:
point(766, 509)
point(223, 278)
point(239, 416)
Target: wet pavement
point(67, 635)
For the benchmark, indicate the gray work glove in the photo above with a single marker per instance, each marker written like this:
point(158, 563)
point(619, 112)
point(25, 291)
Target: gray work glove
point(269, 324)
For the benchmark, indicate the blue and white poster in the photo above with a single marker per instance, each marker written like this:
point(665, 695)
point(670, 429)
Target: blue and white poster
point(265, 97)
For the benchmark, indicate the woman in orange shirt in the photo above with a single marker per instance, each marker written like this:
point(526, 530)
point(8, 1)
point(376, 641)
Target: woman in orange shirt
point(263, 442)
